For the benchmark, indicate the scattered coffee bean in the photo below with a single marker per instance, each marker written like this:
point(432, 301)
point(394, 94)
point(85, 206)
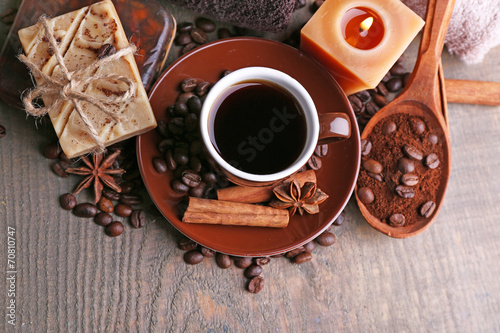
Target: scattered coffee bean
point(433, 138)
point(193, 257)
point(105, 205)
point(372, 166)
point(413, 152)
point(123, 210)
point(199, 36)
point(294, 252)
point(252, 271)
point(340, 219)
point(309, 246)
point(183, 38)
point(114, 229)
point(111, 194)
point(103, 219)
point(406, 165)
point(356, 103)
point(224, 33)
point(314, 163)
point(51, 151)
point(366, 147)
point(326, 239)
point(302, 258)
point(185, 27)
point(321, 150)
point(205, 24)
point(130, 199)
point(202, 88)
point(380, 100)
point(377, 176)
point(371, 108)
point(427, 209)
point(432, 161)
point(242, 262)
point(59, 169)
point(394, 84)
point(222, 260)
point(209, 253)
point(418, 125)
point(85, 210)
point(409, 179)
point(256, 284)
point(397, 220)
point(189, 47)
point(105, 51)
point(138, 218)
point(405, 192)
point(127, 187)
point(382, 90)
point(3, 131)
point(397, 70)
point(261, 261)
point(67, 201)
point(389, 127)
point(186, 244)
point(366, 195)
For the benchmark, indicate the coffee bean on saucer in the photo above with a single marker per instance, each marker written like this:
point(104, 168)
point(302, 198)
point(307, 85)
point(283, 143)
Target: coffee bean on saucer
point(199, 36)
point(205, 24)
point(183, 38)
point(194, 105)
point(186, 244)
point(406, 165)
point(191, 178)
point(314, 163)
point(412, 152)
point(169, 159)
point(123, 210)
point(181, 109)
point(302, 258)
point(242, 262)
point(432, 161)
point(409, 179)
point(138, 218)
point(366, 195)
point(67, 201)
point(427, 209)
point(321, 150)
point(52, 151)
point(114, 229)
point(326, 239)
point(188, 85)
point(397, 220)
point(256, 284)
point(202, 88)
point(366, 147)
point(85, 210)
point(389, 127)
point(252, 271)
point(222, 260)
point(372, 166)
point(193, 257)
point(103, 219)
point(405, 192)
point(418, 125)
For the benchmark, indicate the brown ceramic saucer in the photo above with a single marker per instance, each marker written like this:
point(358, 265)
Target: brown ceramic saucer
point(337, 176)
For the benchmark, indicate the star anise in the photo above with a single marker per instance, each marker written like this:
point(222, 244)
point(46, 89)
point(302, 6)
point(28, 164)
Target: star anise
point(97, 171)
point(292, 197)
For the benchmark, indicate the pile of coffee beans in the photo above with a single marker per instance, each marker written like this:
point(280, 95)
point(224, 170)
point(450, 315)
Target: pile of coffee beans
point(124, 204)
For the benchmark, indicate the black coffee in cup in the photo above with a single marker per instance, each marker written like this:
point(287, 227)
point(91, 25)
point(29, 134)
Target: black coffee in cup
point(258, 127)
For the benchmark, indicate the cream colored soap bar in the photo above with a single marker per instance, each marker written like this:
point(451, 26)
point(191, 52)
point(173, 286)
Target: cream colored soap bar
point(80, 34)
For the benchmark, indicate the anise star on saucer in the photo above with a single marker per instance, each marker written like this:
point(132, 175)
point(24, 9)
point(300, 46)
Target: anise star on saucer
point(98, 172)
point(295, 198)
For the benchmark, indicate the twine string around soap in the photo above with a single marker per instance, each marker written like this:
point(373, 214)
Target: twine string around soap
point(70, 86)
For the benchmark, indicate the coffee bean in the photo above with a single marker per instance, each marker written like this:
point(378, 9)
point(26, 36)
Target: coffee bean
point(406, 165)
point(205, 24)
point(432, 161)
point(413, 152)
point(365, 194)
point(60, 169)
point(185, 27)
point(196, 147)
point(294, 252)
point(397, 70)
point(355, 103)
point(427, 209)
point(123, 210)
point(103, 219)
point(202, 88)
point(372, 166)
point(302, 258)
point(3, 131)
point(252, 271)
point(114, 229)
point(169, 159)
point(160, 165)
point(162, 128)
point(397, 220)
point(209, 253)
point(189, 47)
point(314, 163)
point(242, 262)
point(85, 210)
point(188, 85)
point(194, 105)
point(186, 244)
point(130, 199)
point(409, 179)
point(181, 109)
point(195, 163)
point(191, 178)
point(184, 98)
point(105, 205)
point(224, 33)
point(51, 151)
point(181, 158)
point(127, 187)
point(199, 36)
point(326, 239)
point(380, 100)
point(111, 194)
point(366, 147)
point(406, 78)
point(394, 84)
point(363, 95)
point(309, 246)
point(191, 122)
point(386, 77)
point(418, 125)
point(433, 138)
point(105, 51)
point(198, 191)
point(321, 150)
point(209, 177)
point(67, 201)
point(371, 108)
point(222, 260)
point(340, 219)
point(225, 73)
point(405, 192)
point(382, 90)
point(193, 257)
point(138, 218)
point(183, 38)
point(176, 126)
point(389, 127)
point(256, 284)
point(179, 186)
point(377, 176)
point(261, 261)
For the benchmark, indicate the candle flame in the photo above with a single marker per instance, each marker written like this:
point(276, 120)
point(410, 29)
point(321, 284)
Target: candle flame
point(366, 24)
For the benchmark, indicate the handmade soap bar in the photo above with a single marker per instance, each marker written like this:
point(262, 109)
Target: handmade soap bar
point(358, 41)
point(80, 35)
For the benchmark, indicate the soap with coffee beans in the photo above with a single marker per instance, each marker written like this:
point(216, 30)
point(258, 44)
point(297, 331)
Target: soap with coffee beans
point(81, 36)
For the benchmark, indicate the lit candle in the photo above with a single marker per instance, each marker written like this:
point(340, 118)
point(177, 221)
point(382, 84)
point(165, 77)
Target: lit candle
point(358, 41)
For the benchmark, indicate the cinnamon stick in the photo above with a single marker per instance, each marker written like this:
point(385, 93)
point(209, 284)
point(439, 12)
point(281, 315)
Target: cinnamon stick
point(260, 194)
point(208, 211)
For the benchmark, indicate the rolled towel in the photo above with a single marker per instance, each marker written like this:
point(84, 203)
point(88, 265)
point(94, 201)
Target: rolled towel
point(264, 15)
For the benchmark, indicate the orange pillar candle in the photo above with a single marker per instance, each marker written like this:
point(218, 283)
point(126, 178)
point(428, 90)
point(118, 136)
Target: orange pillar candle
point(358, 41)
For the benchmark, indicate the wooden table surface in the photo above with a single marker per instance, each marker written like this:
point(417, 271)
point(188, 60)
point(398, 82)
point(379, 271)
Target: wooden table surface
point(71, 277)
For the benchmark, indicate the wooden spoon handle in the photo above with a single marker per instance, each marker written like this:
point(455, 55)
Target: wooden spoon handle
point(472, 92)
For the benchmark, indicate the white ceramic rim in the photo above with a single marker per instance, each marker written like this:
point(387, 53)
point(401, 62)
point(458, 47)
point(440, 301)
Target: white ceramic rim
point(286, 82)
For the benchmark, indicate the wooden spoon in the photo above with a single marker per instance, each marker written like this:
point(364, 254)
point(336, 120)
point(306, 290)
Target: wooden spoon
point(422, 99)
